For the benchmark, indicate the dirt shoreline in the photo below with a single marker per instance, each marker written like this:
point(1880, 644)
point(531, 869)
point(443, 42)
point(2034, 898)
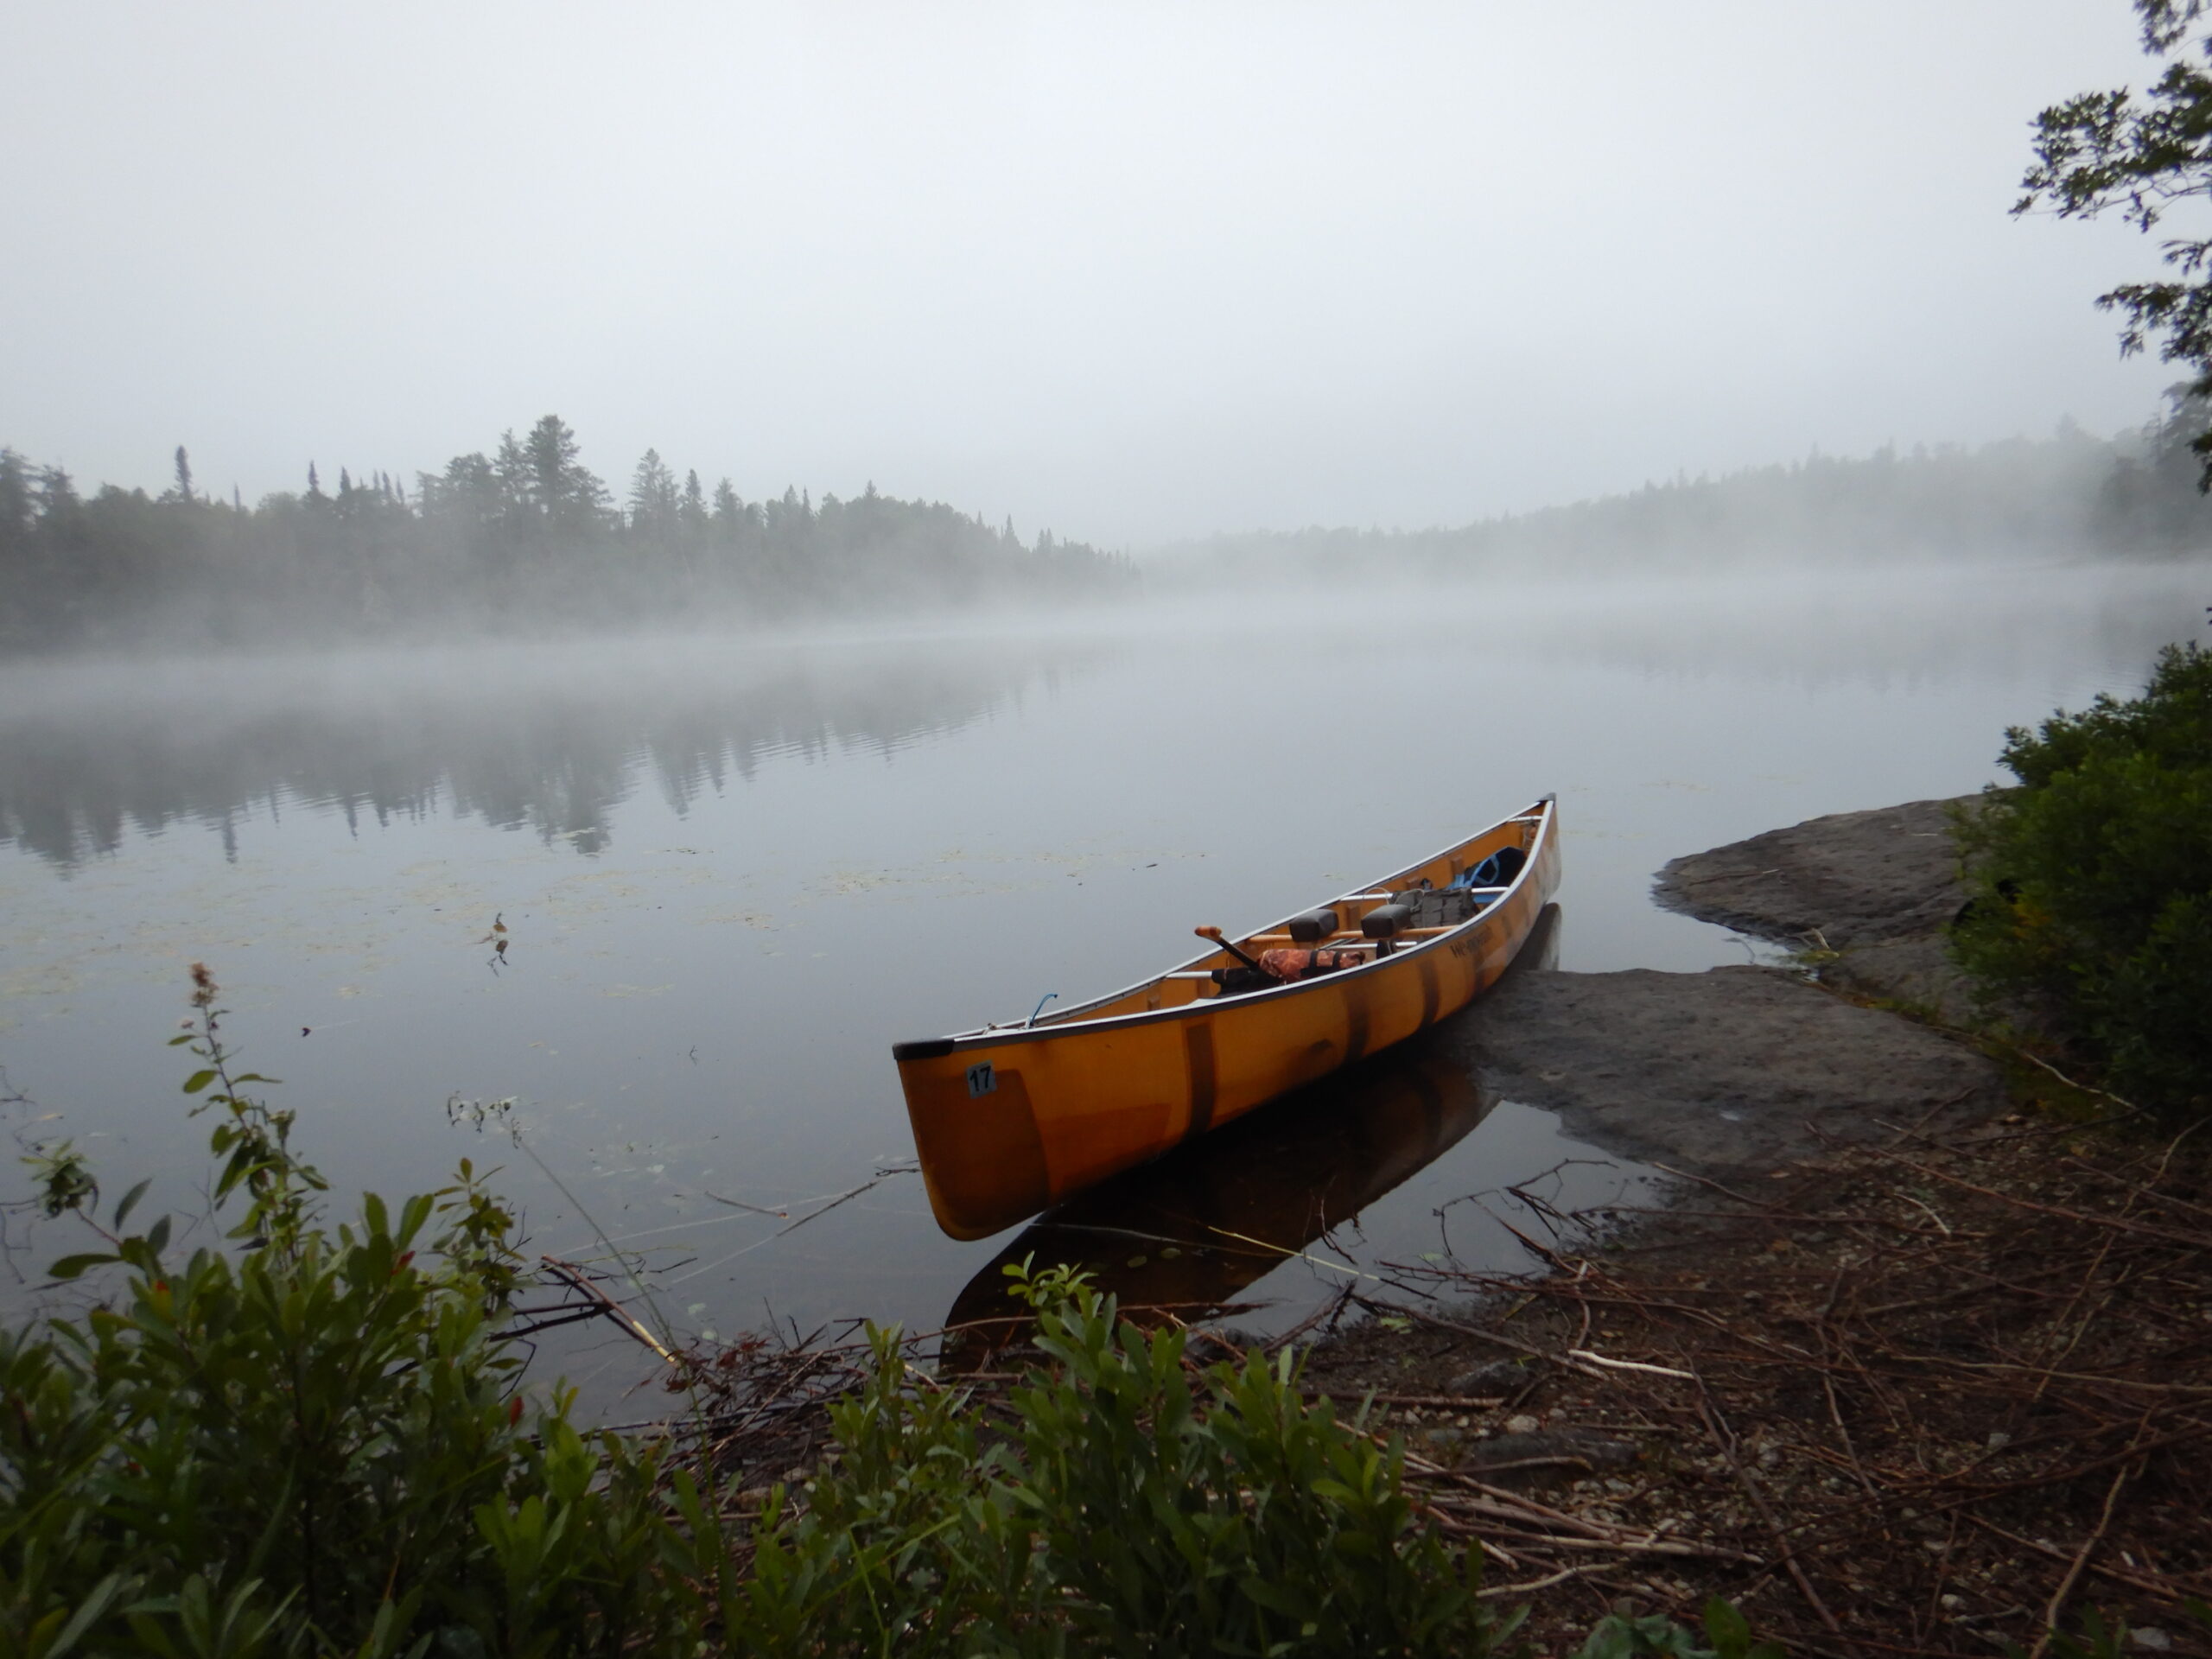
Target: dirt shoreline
point(1881, 1375)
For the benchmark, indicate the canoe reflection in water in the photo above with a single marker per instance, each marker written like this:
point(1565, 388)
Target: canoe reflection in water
point(1184, 1236)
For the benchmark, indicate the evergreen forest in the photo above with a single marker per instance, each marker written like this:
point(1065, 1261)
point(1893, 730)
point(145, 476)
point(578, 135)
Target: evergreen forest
point(2065, 496)
point(525, 538)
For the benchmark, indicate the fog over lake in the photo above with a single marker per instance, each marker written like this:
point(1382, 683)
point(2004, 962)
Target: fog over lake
point(733, 869)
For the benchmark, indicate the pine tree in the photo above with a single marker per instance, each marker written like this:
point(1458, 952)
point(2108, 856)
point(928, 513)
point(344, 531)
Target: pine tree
point(16, 512)
point(57, 494)
point(183, 475)
point(557, 485)
point(652, 497)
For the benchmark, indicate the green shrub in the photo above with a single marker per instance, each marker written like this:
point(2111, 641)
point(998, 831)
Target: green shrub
point(307, 1443)
point(1653, 1637)
point(1124, 1508)
point(2092, 883)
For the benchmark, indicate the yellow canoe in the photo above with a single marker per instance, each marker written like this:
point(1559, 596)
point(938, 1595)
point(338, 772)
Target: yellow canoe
point(1009, 1119)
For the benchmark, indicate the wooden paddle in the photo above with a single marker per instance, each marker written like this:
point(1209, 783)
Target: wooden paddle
point(1214, 933)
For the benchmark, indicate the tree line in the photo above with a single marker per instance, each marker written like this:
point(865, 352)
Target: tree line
point(526, 536)
point(2068, 495)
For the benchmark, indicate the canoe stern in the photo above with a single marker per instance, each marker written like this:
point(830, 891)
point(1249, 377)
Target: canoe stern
point(981, 1156)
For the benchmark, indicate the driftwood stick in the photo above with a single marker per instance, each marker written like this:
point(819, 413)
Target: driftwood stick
point(2173, 1589)
point(2164, 1234)
point(2080, 1561)
point(1533, 1585)
point(1727, 1442)
point(1397, 1310)
point(574, 1277)
point(1631, 1365)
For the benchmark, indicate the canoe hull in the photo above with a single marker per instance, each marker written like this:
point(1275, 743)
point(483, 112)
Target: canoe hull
point(1008, 1122)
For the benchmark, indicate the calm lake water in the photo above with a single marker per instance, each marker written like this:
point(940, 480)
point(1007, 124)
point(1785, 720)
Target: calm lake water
point(732, 871)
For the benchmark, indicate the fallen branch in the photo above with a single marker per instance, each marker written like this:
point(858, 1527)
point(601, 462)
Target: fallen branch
point(577, 1279)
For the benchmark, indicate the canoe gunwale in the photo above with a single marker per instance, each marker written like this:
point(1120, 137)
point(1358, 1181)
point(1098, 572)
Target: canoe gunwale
point(1544, 811)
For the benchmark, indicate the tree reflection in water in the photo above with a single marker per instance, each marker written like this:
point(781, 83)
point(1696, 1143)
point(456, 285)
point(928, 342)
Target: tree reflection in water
point(545, 738)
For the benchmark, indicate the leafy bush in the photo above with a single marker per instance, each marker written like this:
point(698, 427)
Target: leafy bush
point(1653, 1637)
point(2093, 882)
point(1120, 1511)
point(309, 1442)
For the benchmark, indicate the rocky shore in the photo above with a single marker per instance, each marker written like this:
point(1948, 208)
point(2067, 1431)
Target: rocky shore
point(1743, 1069)
point(1868, 894)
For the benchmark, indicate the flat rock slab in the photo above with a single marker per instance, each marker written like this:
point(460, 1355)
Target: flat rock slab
point(1855, 878)
point(1878, 887)
point(1731, 1071)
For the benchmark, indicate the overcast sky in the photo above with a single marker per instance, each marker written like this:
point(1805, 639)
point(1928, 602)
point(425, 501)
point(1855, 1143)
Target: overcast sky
point(1129, 271)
